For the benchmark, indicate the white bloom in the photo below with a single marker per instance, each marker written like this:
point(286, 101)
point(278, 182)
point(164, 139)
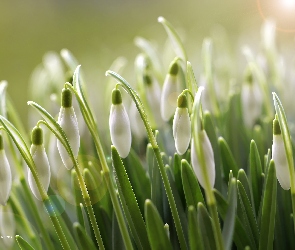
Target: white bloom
point(119, 125)
point(41, 163)
point(280, 158)
point(137, 126)
point(208, 157)
point(251, 99)
point(7, 226)
point(68, 121)
point(5, 175)
point(169, 93)
point(181, 126)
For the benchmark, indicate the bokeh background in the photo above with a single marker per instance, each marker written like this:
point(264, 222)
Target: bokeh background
point(97, 32)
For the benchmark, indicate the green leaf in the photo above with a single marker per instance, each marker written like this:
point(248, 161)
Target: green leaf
point(83, 239)
point(229, 221)
point(129, 203)
point(24, 245)
point(155, 227)
point(227, 159)
point(191, 187)
point(177, 177)
point(255, 175)
point(206, 228)
point(268, 209)
point(195, 240)
point(78, 196)
point(248, 215)
point(174, 37)
point(241, 238)
point(242, 177)
point(138, 178)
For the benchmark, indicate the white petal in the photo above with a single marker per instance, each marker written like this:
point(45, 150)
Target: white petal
point(120, 129)
point(68, 121)
point(181, 130)
point(137, 126)
point(280, 158)
point(209, 159)
point(169, 97)
point(5, 178)
point(7, 226)
point(251, 103)
point(42, 167)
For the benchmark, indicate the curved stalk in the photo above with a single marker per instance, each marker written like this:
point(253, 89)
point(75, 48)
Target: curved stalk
point(157, 152)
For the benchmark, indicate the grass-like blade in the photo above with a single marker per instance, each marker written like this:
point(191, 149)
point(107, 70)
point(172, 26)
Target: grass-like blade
point(229, 222)
point(129, 202)
point(191, 187)
point(23, 244)
point(155, 227)
point(205, 227)
point(195, 240)
point(174, 37)
point(83, 239)
point(268, 209)
point(248, 215)
point(243, 178)
point(227, 159)
point(255, 175)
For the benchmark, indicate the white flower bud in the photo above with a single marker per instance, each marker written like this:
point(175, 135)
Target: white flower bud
point(251, 99)
point(5, 175)
point(208, 157)
point(279, 156)
point(181, 126)
point(119, 125)
point(169, 93)
point(68, 121)
point(41, 163)
point(137, 125)
point(7, 226)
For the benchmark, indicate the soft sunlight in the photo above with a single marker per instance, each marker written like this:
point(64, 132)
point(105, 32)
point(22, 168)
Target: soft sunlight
point(288, 3)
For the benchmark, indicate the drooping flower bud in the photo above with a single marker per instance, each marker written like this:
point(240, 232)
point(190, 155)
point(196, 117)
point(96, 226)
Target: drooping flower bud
point(251, 98)
point(181, 125)
point(279, 156)
point(5, 175)
point(170, 92)
point(68, 121)
point(119, 125)
point(41, 163)
point(208, 157)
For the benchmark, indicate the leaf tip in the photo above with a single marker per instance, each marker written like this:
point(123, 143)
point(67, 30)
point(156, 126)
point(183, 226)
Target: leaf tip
point(161, 19)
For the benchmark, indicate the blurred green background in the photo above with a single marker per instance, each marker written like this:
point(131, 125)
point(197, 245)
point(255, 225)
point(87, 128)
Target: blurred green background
point(97, 32)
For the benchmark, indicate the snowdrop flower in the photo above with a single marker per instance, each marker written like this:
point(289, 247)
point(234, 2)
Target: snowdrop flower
point(68, 121)
point(119, 125)
point(41, 163)
point(170, 92)
point(137, 126)
point(7, 226)
point(208, 157)
point(279, 156)
point(181, 125)
point(5, 175)
point(251, 99)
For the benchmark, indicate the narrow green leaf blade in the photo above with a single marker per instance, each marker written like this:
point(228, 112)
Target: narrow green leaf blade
point(195, 239)
point(191, 187)
point(84, 240)
point(268, 209)
point(129, 203)
point(227, 159)
point(24, 245)
point(255, 175)
point(155, 227)
point(229, 222)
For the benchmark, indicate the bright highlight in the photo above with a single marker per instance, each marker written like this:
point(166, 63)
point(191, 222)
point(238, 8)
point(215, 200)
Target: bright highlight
point(288, 3)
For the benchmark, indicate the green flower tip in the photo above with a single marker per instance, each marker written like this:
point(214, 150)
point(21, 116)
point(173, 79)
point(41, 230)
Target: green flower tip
point(66, 98)
point(173, 68)
point(116, 97)
point(182, 101)
point(147, 80)
point(276, 127)
point(248, 76)
point(1, 143)
point(37, 136)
